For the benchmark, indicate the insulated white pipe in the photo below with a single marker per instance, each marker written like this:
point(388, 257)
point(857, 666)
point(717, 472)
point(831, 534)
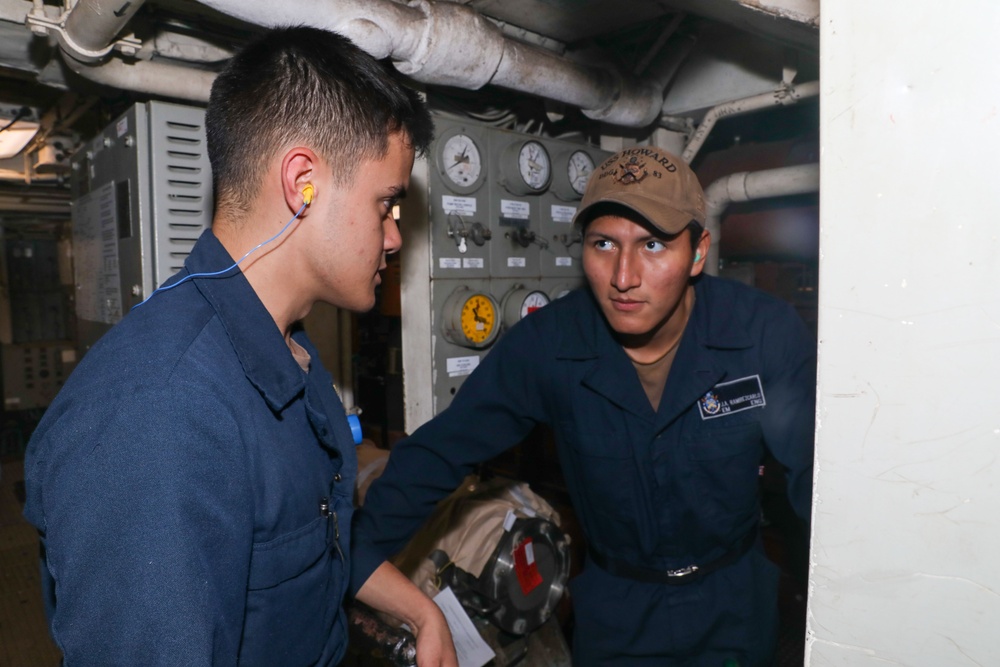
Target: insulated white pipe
point(747, 186)
point(152, 77)
point(783, 96)
point(92, 25)
point(447, 43)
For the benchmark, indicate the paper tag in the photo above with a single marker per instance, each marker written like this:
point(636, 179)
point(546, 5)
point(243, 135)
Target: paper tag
point(525, 566)
point(516, 262)
point(564, 261)
point(563, 213)
point(469, 645)
point(459, 205)
point(450, 262)
point(460, 366)
point(518, 210)
point(472, 262)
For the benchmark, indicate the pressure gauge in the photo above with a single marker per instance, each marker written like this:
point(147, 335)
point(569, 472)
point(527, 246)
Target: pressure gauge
point(526, 167)
point(460, 162)
point(559, 291)
point(469, 318)
point(573, 170)
point(520, 302)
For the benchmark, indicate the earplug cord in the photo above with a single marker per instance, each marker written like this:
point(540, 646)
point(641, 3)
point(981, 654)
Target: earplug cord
point(219, 274)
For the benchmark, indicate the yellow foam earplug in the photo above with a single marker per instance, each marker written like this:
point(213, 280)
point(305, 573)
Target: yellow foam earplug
point(308, 193)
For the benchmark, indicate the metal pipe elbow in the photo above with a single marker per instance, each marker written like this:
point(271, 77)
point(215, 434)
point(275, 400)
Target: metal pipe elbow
point(457, 47)
point(635, 104)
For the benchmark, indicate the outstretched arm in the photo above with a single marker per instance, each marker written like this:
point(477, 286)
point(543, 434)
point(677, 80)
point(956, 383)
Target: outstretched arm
point(388, 590)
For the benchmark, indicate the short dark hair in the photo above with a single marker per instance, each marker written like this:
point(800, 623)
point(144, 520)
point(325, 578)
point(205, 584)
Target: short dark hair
point(306, 85)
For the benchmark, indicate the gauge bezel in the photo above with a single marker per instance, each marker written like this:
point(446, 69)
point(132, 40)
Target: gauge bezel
point(442, 166)
point(451, 318)
point(510, 168)
point(513, 303)
point(562, 184)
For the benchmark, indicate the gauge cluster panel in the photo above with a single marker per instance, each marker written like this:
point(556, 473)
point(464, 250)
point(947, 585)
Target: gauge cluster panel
point(500, 243)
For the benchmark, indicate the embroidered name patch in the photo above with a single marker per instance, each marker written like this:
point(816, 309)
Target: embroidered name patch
point(729, 397)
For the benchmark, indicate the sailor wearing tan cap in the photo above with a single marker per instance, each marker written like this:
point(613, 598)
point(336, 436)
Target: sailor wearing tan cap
point(664, 389)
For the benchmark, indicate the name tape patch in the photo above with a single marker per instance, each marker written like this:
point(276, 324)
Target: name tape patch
point(726, 398)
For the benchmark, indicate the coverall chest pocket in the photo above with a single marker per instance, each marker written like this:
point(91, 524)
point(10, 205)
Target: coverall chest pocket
point(603, 462)
point(725, 462)
point(289, 604)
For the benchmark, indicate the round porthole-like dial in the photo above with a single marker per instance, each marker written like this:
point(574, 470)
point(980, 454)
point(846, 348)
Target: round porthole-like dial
point(520, 302)
point(573, 170)
point(460, 162)
point(526, 168)
point(534, 166)
point(470, 318)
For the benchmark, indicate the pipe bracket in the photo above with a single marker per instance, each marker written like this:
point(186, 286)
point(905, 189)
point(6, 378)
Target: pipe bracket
point(43, 25)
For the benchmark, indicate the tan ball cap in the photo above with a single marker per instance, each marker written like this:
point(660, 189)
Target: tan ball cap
point(656, 184)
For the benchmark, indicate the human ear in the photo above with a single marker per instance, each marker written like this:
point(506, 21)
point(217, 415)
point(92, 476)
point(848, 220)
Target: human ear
point(298, 169)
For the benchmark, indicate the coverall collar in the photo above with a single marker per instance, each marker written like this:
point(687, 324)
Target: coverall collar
point(259, 344)
point(694, 371)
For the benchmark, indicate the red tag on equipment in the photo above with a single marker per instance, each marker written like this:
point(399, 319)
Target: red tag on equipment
point(526, 567)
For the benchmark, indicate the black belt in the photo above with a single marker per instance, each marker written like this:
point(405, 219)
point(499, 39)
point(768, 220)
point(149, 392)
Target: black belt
point(678, 577)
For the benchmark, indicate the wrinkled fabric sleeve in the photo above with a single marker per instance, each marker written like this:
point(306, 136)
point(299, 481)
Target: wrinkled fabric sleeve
point(789, 430)
point(495, 409)
point(147, 523)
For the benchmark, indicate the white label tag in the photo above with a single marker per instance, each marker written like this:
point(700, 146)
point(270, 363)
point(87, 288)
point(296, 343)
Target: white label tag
point(563, 213)
point(458, 205)
point(518, 210)
point(450, 263)
point(727, 398)
point(472, 262)
point(122, 127)
point(564, 261)
point(508, 521)
point(459, 366)
point(516, 262)
point(529, 553)
point(472, 651)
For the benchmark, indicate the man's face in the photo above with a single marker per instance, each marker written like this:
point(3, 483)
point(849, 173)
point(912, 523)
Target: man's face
point(637, 274)
point(353, 229)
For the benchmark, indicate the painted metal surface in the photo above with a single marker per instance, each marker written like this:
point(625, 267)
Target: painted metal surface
point(905, 545)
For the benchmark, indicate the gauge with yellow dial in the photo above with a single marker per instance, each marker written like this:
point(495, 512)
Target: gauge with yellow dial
point(469, 318)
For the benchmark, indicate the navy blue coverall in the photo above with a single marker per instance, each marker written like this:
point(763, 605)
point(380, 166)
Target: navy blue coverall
point(179, 481)
point(654, 491)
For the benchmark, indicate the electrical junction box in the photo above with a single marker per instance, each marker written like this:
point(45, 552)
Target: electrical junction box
point(142, 195)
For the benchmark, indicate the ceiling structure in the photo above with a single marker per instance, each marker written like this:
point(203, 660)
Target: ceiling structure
point(614, 67)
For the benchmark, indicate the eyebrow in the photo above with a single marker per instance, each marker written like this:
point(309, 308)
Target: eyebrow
point(396, 192)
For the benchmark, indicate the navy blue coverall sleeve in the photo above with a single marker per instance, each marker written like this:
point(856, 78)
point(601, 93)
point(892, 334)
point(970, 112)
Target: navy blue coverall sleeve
point(496, 408)
point(153, 523)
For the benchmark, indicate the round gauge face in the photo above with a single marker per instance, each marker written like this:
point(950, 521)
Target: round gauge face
point(533, 165)
point(532, 302)
point(478, 318)
point(579, 167)
point(461, 161)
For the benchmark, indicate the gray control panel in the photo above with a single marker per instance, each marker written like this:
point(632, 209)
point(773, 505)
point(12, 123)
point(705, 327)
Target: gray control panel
point(488, 240)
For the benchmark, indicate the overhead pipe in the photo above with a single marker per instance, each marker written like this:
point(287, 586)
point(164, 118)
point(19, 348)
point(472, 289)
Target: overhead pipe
point(784, 95)
point(446, 43)
point(441, 43)
point(92, 25)
point(149, 77)
point(748, 186)
point(88, 32)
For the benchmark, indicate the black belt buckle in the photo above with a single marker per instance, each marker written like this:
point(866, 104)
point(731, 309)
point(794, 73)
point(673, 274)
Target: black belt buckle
point(680, 573)
point(676, 577)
